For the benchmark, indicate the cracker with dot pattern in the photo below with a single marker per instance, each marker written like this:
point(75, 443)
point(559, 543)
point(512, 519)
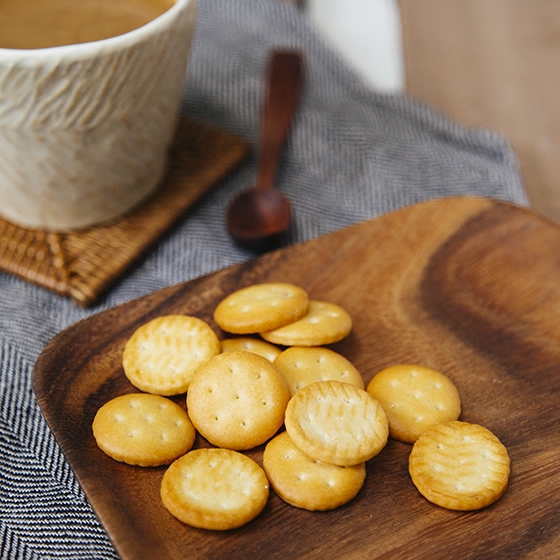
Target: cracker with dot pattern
point(324, 323)
point(237, 400)
point(306, 483)
point(143, 429)
point(301, 366)
point(261, 307)
point(459, 466)
point(216, 489)
point(255, 345)
point(414, 399)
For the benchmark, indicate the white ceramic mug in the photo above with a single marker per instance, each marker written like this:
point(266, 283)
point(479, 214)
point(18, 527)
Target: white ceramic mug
point(85, 129)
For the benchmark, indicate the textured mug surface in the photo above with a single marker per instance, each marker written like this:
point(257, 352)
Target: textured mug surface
point(85, 129)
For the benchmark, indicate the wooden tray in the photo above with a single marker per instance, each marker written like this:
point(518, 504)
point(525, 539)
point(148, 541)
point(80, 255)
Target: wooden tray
point(467, 286)
point(83, 264)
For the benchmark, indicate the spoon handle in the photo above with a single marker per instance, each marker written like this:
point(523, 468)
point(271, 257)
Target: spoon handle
point(283, 89)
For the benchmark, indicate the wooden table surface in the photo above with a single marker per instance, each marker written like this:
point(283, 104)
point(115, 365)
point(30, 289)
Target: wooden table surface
point(493, 64)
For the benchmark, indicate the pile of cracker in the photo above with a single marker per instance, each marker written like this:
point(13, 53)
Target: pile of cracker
point(276, 384)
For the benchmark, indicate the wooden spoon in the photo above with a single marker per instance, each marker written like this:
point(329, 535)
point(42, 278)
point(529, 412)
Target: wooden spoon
point(258, 218)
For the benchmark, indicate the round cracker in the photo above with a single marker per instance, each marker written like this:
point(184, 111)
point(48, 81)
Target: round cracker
point(414, 398)
point(142, 429)
point(255, 345)
point(459, 466)
point(336, 423)
point(216, 489)
point(261, 307)
point(324, 323)
point(162, 355)
point(306, 483)
point(237, 400)
point(301, 366)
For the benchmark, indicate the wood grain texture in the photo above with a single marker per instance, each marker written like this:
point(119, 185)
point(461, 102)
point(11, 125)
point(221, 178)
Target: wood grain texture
point(465, 286)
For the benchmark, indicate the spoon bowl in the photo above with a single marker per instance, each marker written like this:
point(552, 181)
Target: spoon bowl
point(257, 219)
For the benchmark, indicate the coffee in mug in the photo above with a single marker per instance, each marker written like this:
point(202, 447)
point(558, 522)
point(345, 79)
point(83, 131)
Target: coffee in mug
point(86, 122)
point(38, 24)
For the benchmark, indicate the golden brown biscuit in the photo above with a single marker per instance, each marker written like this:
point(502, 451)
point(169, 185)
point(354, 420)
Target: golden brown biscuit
point(324, 323)
point(162, 355)
point(460, 466)
point(216, 489)
point(414, 399)
point(255, 345)
point(306, 483)
point(142, 429)
point(237, 400)
point(301, 366)
point(261, 307)
point(336, 423)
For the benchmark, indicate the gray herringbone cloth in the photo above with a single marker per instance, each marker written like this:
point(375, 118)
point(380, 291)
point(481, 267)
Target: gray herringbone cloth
point(353, 154)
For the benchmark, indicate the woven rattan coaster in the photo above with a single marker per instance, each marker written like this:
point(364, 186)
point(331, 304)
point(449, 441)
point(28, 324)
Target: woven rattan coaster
point(82, 265)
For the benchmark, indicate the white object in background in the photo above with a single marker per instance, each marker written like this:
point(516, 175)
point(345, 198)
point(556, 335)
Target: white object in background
point(85, 129)
point(368, 35)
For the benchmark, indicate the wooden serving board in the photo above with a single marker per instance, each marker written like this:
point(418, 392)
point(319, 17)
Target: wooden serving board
point(470, 287)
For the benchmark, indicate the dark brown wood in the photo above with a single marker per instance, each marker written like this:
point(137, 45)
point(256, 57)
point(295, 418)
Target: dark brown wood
point(258, 217)
point(467, 286)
